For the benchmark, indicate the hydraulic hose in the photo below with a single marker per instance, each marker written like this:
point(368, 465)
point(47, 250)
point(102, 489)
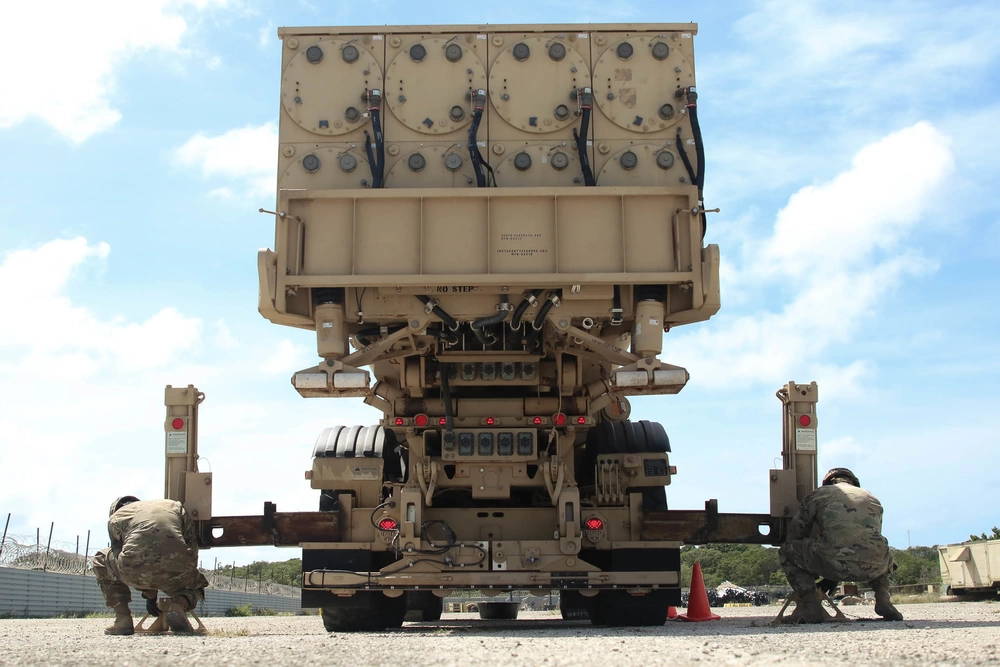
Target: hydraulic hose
point(432, 307)
point(684, 158)
point(543, 312)
point(379, 148)
point(373, 98)
point(473, 146)
point(699, 147)
point(515, 322)
point(697, 177)
point(585, 97)
point(479, 325)
point(370, 155)
point(478, 162)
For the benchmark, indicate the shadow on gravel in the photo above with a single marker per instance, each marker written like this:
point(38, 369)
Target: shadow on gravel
point(730, 627)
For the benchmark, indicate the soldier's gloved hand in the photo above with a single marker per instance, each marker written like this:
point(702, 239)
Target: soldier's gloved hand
point(151, 607)
point(828, 586)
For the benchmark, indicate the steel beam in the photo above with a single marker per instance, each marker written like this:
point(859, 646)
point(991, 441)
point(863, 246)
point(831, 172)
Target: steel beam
point(708, 525)
point(281, 529)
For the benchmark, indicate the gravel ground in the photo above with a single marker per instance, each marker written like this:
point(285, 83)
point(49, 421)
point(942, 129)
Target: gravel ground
point(961, 633)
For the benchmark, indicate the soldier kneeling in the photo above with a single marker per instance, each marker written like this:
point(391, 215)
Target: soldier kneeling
point(153, 548)
point(837, 535)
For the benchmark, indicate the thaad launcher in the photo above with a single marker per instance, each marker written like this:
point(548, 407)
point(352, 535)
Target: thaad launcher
point(489, 229)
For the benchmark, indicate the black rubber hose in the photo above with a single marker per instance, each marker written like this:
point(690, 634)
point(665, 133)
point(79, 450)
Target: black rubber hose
point(473, 146)
point(684, 158)
point(699, 147)
point(544, 311)
point(371, 159)
point(480, 324)
point(581, 147)
point(515, 322)
point(379, 148)
point(442, 315)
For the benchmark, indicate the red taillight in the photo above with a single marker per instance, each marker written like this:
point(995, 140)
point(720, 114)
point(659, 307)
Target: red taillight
point(581, 420)
point(490, 421)
point(593, 523)
point(559, 419)
point(388, 524)
point(805, 420)
point(442, 421)
point(536, 421)
point(421, 420)
point(399, 421)
point(177, 423)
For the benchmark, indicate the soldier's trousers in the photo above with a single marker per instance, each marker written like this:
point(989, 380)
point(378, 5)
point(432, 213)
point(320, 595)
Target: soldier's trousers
point(116, 574)
point(806, 560)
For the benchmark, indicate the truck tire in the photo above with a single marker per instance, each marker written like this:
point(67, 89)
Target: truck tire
point(423, 606)
point(573, 606)
point(618, 608)
point(360, 441)
point(365, 611)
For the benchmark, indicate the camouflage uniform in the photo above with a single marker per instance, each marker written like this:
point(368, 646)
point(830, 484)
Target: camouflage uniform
point(836, 535)
point(153, 547)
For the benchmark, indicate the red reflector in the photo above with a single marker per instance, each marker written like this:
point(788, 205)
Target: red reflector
point(399, 421)
point(177, 423)
point(559, 419)
point(490, 421)
point(581, 420)
point(593, 523)
point(536, 421)
point(388, 524)
point(442, 421)
point(421, 420)
point(805, 420)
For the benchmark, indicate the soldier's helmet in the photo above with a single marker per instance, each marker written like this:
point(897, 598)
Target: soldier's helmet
point(835, 475)
point(122, 502)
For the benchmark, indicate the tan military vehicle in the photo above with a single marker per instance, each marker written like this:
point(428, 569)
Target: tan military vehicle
point(971, 568)
point(490, 228)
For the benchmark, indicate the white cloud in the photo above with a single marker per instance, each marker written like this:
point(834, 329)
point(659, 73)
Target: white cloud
point(47, 324)
point(60, 58)
point(82, 397)
point(243, 157)
point(835, 252)
point(285, 356)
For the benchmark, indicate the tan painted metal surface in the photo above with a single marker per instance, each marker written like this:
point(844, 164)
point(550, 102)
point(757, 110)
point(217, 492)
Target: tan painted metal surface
point(490, 228)
point(970, 566)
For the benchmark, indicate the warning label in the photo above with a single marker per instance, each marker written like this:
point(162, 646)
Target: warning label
point(805, 439)
point(177, 442)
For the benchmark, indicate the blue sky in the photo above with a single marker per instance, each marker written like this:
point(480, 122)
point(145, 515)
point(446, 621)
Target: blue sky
point(852, 148)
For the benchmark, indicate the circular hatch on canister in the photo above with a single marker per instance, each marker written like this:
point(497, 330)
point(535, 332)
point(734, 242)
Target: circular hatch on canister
point(636, 80)
point(427, 85)
point(532, 83)
point(323, 85)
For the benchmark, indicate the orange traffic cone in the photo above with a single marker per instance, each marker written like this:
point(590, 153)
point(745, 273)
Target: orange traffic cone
point(698, 609)
point(671, 612)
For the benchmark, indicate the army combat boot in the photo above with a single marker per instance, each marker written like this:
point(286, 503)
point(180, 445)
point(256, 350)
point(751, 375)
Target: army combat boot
point(883, 604)
point(176, 609)
point(123, 621)
point(808, 609)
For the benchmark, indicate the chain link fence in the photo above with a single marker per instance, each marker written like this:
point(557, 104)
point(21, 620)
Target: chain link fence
point(30, 552)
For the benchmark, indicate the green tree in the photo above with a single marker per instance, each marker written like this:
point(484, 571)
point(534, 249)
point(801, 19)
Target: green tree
point(743, 564)
point(984, 536)
point(916, 565)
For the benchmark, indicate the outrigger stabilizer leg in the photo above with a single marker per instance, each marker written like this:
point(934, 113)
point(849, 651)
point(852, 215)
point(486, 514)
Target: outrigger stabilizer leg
point(821, 595)
point(172, 617)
